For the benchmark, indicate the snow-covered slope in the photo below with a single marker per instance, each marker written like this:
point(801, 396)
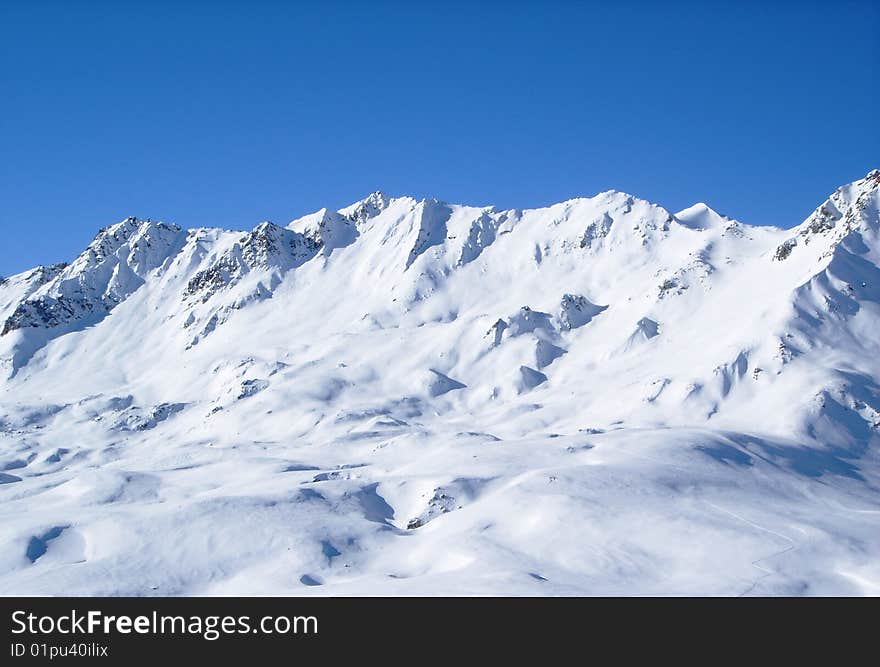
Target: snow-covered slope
point(403, 396)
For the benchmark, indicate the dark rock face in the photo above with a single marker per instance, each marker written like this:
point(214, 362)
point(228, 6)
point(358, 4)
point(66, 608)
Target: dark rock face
point(784, 249)
point(47, 273)
point(576, 310)
point(138, 419)
point(89, 285)
point(269, 244)
point(45, 313)
point(369, 208)
point(597, 229)
point(440, 503)
point(40, 275)
point(823, 219)
point(266, 246)
point(251, 387)
point(212, 279)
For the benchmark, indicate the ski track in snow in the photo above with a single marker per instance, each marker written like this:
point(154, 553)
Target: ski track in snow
point(767, 573)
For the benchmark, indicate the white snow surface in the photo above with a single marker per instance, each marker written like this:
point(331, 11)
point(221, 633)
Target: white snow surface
point(407, 397)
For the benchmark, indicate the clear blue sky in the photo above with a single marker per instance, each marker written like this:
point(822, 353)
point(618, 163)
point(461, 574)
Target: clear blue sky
point(231, 113)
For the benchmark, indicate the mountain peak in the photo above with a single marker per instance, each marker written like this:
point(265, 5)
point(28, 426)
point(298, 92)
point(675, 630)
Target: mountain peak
point(700, 216)
point(368, 207)
point(612, 195)
point(870, 183)
point(851, 206)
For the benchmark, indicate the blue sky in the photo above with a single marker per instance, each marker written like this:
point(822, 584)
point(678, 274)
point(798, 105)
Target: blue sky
point(231, 113)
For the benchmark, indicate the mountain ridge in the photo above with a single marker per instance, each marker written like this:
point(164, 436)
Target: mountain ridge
point(329, 230)
point(374, 203)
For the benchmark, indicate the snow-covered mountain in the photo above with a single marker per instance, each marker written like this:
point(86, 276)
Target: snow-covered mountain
point(407, 396)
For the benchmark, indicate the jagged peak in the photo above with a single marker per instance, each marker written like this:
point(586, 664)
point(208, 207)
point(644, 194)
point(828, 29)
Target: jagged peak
point(130, 225)
point(435, 203)
point(267, 226)
point(44, 273)
point(309, 222)
point(871, 181)
point(847, 208)
point(38, 275)
point(109, 239)
point(119, 231)
point(265, 239)
point(268, 238)
point(851, 192)
point(327, 228)
point(325, 214)
point(368, 207)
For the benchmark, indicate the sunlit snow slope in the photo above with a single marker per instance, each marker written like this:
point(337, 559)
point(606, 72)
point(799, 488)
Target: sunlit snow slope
point(414, 397)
